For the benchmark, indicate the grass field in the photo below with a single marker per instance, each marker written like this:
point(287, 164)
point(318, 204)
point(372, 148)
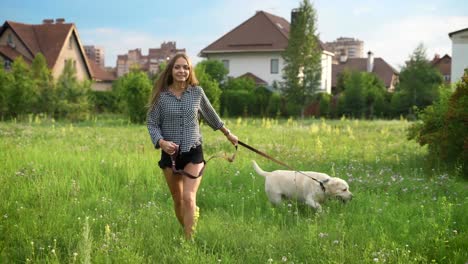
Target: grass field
point(92, 193)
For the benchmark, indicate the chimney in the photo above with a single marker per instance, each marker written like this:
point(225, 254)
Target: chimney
point(343, 56)
point(47, 21)
point(370, 61)
point(59, 20)
point(294, 15)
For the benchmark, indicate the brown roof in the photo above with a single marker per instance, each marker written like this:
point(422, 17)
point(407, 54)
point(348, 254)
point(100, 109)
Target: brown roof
point(12, 54)
point(48, 39)
point(255, 78)
point(100, 74)
point(456, 32)
point(382, 69)
point(262, 32)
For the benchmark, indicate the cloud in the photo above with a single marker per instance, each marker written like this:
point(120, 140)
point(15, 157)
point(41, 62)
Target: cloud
point(396, 40)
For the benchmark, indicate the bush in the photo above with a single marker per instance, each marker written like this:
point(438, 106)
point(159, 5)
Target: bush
point(104, 101)
point(444, 127)
point(136, 91)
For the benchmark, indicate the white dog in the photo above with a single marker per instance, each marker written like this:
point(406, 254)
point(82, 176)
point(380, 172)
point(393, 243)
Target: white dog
point(301, 186)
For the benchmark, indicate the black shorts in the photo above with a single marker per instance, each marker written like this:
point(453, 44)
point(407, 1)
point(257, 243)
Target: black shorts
point(195, 156)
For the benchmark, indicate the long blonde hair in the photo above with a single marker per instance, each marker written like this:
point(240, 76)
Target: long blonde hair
point(166, 79)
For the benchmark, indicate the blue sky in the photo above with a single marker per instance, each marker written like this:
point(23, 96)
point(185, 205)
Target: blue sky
point(391, 29)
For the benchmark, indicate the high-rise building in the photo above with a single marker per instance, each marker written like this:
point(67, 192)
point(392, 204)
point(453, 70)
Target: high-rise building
point(349, 47)
point(95, 54)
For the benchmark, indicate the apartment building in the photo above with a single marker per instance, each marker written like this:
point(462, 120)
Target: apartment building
point(149, 63)
point(95, 54)
point(349, 47)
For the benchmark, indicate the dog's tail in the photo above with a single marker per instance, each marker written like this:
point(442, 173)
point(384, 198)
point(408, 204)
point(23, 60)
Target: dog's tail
point(258, 169)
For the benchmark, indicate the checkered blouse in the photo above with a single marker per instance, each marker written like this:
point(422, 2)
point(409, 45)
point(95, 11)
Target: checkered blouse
point(176, 119)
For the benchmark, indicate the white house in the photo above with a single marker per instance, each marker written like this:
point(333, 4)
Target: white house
point(254, 49)
point(459, 53)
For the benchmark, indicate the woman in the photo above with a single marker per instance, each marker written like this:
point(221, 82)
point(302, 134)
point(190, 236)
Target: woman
point(173, 115)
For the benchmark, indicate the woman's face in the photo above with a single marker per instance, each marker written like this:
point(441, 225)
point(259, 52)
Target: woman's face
point(181, 70)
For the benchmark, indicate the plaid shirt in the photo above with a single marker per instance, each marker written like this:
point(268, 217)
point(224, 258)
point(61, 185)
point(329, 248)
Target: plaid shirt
point(176, 119)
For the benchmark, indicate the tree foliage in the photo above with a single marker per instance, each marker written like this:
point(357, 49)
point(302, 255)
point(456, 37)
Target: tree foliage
point(302, 72)
point(418, 86)
point(209, 85)
point(135, 91)
point(444, 127)
point(72, 95)
point(22, 95)
point(47, 95)
point(215, 69)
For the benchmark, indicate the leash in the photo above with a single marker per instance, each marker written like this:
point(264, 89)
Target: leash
point(231, 159)
point(281, 163)
point(182, 172)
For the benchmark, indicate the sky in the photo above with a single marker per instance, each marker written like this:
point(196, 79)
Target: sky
point(390, 29)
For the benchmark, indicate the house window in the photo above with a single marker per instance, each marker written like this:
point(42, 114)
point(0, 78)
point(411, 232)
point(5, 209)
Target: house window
point(274, 66)
point(7, 64)
point(70, 43)
point(447, 78)
point(226, 64)
point(10, 39)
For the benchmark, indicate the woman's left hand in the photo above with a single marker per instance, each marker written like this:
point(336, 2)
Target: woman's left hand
point(233, 138)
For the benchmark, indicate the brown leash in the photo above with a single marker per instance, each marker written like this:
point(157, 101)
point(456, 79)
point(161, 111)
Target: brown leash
point(182, 172)
point(231, 159)
point(281, 163)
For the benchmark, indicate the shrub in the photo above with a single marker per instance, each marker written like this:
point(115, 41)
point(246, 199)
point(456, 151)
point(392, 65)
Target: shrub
point(444, 127)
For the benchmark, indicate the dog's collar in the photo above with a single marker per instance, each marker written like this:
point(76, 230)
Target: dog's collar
point(322, 184)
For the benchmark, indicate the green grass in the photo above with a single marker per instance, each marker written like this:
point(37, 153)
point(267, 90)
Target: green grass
point(92, 193)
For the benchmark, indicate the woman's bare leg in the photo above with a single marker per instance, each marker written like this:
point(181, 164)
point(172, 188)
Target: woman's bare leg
point(175, 184)
point(189, 197)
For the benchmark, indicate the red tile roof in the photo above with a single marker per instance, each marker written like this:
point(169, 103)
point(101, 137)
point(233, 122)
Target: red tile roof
point(382, 69)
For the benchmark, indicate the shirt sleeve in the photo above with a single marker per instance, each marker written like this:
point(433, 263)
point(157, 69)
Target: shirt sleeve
point(208, 112)
point(153, 122)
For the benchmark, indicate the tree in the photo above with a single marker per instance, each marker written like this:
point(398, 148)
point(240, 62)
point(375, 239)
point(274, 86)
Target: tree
point(419, 83)
point(73, 102)
point(215, 69)
point(44, 82)
point(21, 96)
point(5, 81)
point(354, 95)
point(135, 93)
point(444, 127)
point(209, 85)
point(302, 73)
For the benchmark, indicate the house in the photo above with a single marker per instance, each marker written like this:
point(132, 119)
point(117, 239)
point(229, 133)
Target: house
point(149, 63)
point(58, 42)
point(255, 48)
point(459, 53)
point(444, 65)
point(378, 66)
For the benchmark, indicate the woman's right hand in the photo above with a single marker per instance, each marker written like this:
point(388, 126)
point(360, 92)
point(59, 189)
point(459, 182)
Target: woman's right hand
point(168, 146)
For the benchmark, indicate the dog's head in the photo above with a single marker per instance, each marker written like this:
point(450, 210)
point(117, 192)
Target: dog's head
point(338, 188)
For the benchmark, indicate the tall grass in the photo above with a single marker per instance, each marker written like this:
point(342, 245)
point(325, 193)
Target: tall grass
point(92, 193)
